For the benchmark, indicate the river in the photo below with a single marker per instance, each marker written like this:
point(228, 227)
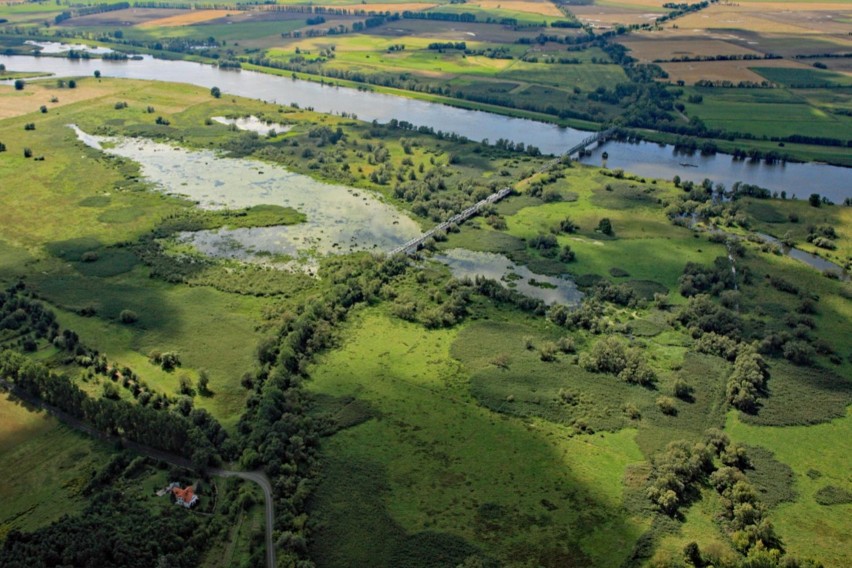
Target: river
point(646, 159)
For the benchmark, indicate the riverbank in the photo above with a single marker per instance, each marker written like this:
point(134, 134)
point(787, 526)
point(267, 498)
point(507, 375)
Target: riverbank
point(805, 153)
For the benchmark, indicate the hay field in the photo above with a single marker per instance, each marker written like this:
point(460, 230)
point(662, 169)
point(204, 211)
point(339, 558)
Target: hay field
point(649, 47)
point(735, 71)
point(187, 18)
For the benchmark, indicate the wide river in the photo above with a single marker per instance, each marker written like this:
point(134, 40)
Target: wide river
point(646, 159)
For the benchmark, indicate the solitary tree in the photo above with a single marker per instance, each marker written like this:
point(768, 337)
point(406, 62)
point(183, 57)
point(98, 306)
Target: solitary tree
point(814, 199)
point(216, 92)
point(203, 382)
point(19, 84)
point(97, 74)
point(185, 384)
point(605, 226)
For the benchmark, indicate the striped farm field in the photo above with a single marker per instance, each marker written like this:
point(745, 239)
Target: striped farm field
point(188, 18)
point(735, 71)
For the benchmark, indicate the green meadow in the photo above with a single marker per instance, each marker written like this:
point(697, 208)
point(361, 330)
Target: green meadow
point(44, 464)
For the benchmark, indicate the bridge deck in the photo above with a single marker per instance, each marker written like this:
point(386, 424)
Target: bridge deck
point(411, 246)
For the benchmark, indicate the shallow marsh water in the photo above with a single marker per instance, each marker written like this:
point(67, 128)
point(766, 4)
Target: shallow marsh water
point(465, 263)
point(339, 218)
point(253, 124)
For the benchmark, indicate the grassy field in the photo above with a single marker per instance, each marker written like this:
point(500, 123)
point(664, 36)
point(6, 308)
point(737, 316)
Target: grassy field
point(818, 457)
point(774, 112)
point(421, 449)
point(44, 465)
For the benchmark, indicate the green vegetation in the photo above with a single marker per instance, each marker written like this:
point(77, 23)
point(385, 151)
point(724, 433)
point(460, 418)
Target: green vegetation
point(405, 417)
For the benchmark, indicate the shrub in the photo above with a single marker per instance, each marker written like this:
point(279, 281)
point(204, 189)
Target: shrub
point(799, 352)
point(683, 390)
point(632, 411)
point(548, 351)
point(831, 495)
point(667, 405)
point(128, 316)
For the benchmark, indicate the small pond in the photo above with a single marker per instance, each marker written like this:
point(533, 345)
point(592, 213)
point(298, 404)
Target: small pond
point(549, 289)
point(253, 124)
point(53, 47)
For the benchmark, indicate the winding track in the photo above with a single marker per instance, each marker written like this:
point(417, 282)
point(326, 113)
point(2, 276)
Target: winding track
point(257, 477)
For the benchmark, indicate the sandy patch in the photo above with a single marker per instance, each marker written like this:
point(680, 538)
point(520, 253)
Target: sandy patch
point(187, 18)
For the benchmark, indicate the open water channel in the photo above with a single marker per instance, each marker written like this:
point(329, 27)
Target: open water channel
point(647, 159)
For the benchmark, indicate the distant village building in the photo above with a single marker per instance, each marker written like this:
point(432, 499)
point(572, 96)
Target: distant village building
point(185, 497)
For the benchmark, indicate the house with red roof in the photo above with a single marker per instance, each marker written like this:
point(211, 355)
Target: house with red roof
point(185, 497)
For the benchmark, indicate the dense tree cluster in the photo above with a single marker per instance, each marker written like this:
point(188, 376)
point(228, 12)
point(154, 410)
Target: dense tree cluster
point(747, 380)
point(700, 279)
point(701, 315)
point(184, 431)
point(114, 530)
point(611, 355)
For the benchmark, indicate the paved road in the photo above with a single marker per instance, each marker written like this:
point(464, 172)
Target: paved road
point(260, 478)
point(254, 476)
